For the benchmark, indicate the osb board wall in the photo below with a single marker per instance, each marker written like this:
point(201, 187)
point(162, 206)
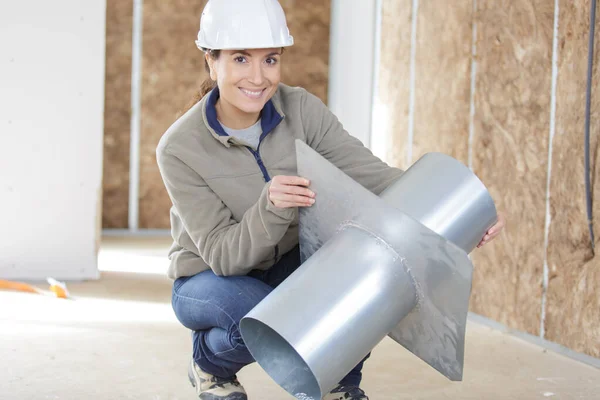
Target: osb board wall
point(573, 302)
point(173, 70)
point(391, 104)
point(306, 63)
point(510, 148)
point(442, 78)
point(117, 113)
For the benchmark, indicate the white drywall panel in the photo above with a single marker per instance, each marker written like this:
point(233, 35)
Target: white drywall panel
point(51, 128)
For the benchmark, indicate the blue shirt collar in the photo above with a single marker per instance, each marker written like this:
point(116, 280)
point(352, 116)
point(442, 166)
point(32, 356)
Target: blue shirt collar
point(270, 118)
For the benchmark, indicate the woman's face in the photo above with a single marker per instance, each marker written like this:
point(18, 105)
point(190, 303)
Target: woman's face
point(247, 79)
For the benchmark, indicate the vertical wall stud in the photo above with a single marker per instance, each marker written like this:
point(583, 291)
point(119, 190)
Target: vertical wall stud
point(136, 105)
point(550, 140)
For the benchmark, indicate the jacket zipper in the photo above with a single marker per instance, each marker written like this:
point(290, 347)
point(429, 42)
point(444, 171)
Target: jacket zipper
point(260, 163)
point(266, 177)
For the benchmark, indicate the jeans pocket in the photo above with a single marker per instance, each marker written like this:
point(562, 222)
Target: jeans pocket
point(178, 282)
point(176, 286)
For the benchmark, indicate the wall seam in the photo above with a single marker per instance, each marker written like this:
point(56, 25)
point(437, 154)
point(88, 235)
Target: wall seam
point(411, 98)
point(551, 133)
point(473, 80)
point(136, 105)
point(376, 62)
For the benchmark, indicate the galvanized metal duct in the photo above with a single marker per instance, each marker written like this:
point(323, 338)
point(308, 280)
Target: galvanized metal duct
point(395, 265)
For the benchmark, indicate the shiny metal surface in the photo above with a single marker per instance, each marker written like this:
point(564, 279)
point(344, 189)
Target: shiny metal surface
point(445, 196)
point(369, 269)
point(316, 330)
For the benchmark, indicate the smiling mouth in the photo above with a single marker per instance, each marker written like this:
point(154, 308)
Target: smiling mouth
point(253, 94)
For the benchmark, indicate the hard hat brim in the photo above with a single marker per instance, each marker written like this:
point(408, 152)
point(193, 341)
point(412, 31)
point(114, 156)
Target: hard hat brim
point(207, 46)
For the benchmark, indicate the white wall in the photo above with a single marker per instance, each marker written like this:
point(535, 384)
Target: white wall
point(351, 64)
point(51, 127)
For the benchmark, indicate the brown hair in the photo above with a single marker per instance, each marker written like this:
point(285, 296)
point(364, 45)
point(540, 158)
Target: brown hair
point(208, 83)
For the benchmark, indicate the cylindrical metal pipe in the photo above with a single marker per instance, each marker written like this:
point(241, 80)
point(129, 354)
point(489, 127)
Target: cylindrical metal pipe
point(319, 329)
point(445, 196)
point(367, 264)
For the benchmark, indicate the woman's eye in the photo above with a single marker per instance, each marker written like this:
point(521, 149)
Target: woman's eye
point(271, 61)
point(240, 59)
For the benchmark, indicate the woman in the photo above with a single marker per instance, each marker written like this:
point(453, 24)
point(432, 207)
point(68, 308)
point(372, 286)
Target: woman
point(229, 167)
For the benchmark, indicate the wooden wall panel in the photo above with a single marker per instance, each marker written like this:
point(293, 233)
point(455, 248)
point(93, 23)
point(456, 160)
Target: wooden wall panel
point(172, 72)
point(514, 53)
point(173, 69)
point(573, 305)
point(306, 63)
point(391, 104)
point(443, 78)
point(117, 115)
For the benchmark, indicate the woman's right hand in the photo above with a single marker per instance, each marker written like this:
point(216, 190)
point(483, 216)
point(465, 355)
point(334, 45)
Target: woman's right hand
point(290, 191)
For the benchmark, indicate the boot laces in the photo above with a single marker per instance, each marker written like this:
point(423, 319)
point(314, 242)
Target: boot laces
point(222, 382)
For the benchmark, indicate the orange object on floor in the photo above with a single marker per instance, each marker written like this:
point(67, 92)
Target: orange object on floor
point(59, 289)
point(18, 286)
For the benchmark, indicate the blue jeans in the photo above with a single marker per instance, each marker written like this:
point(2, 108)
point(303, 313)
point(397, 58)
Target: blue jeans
point(212, 307)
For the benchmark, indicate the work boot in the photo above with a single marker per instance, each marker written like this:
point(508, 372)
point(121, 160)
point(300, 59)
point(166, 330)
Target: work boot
point(347, 392)
point(210, 387)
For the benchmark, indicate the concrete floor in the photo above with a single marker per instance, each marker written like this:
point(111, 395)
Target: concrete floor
point(118, 339)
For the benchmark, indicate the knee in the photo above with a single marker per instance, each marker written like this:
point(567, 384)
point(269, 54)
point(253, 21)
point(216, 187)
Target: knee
point(235, 337)
point(205, 301)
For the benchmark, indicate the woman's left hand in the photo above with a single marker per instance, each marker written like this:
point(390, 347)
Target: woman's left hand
point(493, 231)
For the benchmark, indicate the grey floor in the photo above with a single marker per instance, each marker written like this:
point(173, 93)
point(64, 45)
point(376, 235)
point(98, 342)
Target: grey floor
point(118, 339)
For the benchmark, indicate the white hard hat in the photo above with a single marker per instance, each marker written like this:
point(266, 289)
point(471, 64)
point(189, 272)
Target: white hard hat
point(243, 24)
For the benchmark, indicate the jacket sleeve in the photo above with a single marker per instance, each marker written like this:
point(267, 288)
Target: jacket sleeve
point(228, 247)
point(326, 135)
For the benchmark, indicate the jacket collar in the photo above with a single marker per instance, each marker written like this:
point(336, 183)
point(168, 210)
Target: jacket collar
point(271, 116)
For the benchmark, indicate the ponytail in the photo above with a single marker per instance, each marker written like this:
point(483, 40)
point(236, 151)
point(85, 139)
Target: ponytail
point(206, 86)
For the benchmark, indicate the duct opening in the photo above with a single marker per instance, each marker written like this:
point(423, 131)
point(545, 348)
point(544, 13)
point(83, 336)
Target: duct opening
point(279, 359)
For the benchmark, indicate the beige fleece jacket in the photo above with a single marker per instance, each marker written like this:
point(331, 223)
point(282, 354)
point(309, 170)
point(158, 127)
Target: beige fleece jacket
point(221, 216)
